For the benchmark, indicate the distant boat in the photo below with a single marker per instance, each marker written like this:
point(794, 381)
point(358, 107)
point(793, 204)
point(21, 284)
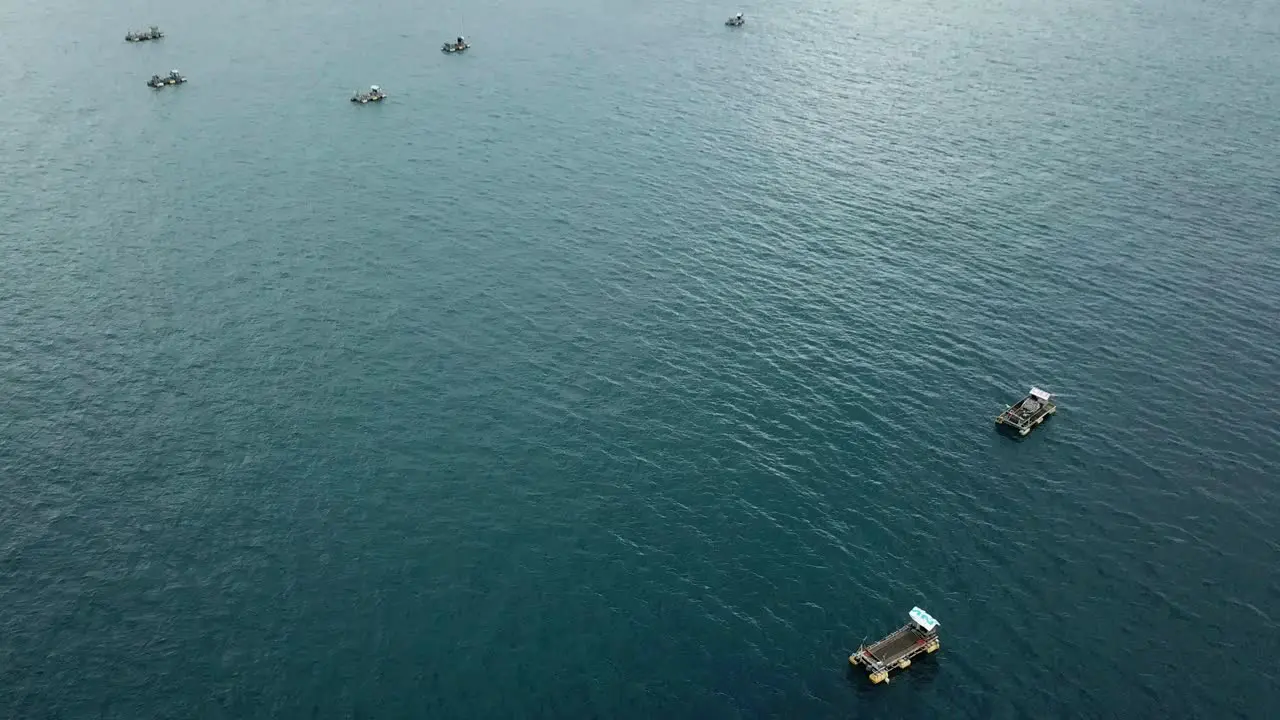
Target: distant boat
point(460, 44)
point(736, 21)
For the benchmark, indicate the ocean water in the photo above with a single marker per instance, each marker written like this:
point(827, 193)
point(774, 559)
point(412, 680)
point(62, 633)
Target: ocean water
point(632, 366)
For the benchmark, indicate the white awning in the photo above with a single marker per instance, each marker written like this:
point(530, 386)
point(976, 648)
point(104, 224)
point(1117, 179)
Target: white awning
point(923, 619)
point(1037, 392)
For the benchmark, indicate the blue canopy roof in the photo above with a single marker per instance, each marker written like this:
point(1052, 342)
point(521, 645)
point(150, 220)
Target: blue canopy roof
point(923, 619)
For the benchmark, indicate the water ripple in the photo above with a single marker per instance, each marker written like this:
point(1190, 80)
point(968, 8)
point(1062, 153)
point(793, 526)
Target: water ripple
point(585, 378)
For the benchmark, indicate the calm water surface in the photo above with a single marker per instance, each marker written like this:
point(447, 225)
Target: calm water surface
point(633, 366)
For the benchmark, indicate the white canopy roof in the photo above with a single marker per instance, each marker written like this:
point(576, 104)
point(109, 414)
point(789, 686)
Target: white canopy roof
point(1037, 392)
point(923, 619)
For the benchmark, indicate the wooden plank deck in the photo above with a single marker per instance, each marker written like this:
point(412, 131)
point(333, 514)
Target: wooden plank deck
point(897, 645)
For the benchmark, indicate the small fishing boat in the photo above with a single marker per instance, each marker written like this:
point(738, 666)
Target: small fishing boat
point(456, 46)
point(736, 21)
point(375, 94)
point(173, 78)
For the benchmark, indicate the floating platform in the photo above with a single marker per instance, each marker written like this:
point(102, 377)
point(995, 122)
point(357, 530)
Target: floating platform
point(151, 33)
point(1032, 410)
point(173, 78)
point(918, 636)
point(375, 94)
point(736, 21)
point(455, 47)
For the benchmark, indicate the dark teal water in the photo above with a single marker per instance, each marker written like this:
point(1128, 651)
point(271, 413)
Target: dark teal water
point(631, 366)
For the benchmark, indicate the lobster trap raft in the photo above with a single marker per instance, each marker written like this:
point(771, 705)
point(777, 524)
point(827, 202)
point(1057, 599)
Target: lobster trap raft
point(1032, 410)
point(152, 33)
point(895, 650)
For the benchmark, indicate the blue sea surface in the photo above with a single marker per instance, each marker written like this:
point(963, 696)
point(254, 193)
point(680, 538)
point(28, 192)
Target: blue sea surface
point(632, 366)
